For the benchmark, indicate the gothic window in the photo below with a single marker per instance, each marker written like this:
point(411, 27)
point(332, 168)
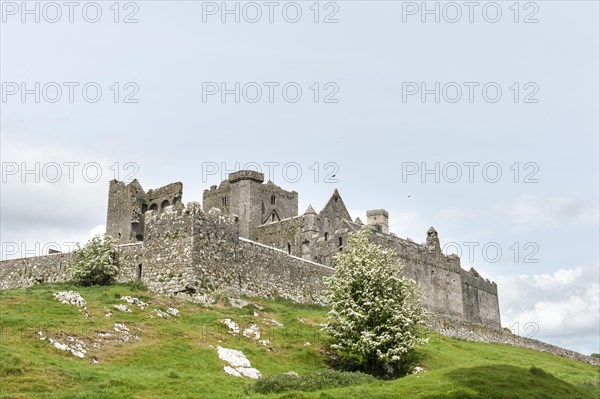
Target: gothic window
point(273, 199)
point(164, 204)
point(153, 207)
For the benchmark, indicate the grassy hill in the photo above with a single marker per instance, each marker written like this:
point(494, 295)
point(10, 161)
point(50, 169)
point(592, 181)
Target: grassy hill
point(177, 357)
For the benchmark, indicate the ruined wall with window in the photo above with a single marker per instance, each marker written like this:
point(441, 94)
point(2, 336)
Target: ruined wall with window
point(128, 203)
point(285, 235)
point(244, 195)
point(159, 198)
point(125, 213)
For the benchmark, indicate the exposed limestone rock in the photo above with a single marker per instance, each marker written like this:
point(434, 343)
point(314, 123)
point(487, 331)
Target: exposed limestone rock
point(73, 345)
point(122, 308)
point(239, 365)
point(238, 303)
point(252, 332)
point(134, 301)
point(161, 314)
point(71, 298)
point(79, 346)
point(278, 324)
point(173, 312)
point(234, 357)
point(234, 329)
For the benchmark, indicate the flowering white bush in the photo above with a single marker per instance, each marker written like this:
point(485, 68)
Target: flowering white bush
point(96, 262)
point(376, 314)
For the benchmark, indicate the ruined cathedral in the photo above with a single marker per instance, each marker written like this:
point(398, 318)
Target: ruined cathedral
point(248, 239)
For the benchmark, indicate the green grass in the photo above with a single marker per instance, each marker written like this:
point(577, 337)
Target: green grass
point(176, 358)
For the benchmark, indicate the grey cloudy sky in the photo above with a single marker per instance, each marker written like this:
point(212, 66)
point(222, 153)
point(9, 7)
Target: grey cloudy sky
point(373, 95)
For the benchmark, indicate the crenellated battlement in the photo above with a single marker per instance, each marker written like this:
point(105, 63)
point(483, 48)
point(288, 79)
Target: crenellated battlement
point(246, 175)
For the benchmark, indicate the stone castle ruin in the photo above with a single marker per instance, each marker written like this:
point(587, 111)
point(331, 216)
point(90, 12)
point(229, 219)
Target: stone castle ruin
point(248, 238)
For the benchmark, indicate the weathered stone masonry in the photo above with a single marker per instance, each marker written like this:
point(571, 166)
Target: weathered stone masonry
point(54, 268)
point(248, 239)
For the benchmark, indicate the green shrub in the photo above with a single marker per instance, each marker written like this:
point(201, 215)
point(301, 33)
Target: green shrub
point(137, 285)
point(97, 263)
point(322, 379)
point(538, 372)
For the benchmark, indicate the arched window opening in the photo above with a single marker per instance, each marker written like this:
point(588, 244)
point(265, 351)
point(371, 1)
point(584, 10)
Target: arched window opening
point(326, 236)
point(273, 199)
point(289, 246)
point(340, 241)
point(139, 237)
point(144, 208)
point(139, 272)
point(164, 204)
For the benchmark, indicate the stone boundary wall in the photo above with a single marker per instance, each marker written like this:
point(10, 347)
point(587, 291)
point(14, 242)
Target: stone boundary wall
point(482, 333)
point(167, 256)
point(239, 266)
point(130, 259)
point(254, 269)
point(54, 268)
point(25, 272)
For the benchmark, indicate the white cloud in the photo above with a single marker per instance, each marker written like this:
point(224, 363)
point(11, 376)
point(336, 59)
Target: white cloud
point(47, 198)
point(564, 304)
point(531, 212)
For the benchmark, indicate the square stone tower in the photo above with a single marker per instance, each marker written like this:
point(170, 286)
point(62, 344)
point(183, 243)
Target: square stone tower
point(379, 218)
point(243, 194)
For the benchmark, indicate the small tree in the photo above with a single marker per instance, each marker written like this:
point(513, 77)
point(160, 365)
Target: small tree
point(376, 314)
point(97, 262)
